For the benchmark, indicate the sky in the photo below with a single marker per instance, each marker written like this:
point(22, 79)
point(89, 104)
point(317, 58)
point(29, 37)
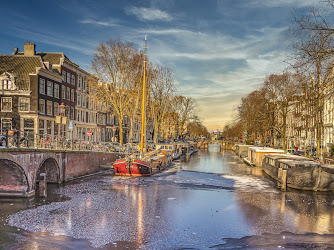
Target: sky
point(219, 50)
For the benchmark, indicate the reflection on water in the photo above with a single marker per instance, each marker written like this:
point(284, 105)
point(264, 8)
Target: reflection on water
point(195, 203)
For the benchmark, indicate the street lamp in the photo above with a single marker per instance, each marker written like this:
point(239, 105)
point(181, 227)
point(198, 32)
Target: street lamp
point(113, 132)
point(61, 112)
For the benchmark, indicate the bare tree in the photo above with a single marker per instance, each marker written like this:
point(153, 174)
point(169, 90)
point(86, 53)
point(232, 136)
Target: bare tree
point(184, 108)
point(253, 114)
point(195, 128)
point(161, 92)
point(112, 63)
point(313, 54)
point(281, 91)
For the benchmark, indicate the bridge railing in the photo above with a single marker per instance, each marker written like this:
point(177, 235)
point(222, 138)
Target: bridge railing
point(27, 139)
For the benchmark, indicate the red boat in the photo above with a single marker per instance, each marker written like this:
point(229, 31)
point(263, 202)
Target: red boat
point(153, 162)
point(132, 167)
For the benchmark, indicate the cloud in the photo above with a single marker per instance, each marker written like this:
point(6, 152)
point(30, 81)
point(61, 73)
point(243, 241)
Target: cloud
point(148, 14)
point(282, 3)
point(106, 24)
point(218, 69)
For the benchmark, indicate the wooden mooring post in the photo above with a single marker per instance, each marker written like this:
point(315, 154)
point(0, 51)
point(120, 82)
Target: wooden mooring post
point(282, 179)
point(42, 185)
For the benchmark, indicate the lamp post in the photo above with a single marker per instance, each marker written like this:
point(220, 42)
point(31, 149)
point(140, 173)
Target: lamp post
point(61, 112)
point(113, 133)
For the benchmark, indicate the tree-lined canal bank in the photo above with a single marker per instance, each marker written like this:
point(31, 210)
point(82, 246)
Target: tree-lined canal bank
point(192, 204)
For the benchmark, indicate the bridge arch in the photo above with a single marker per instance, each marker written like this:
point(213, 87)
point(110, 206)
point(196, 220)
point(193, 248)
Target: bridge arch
point(50, 167)
point(13, 179)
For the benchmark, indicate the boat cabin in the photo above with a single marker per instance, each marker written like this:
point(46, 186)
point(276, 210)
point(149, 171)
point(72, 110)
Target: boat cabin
point(165, 147)
point(257, 154)
point(242, 149)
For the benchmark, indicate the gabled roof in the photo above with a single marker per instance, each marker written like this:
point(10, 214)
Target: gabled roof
point(52, 57)
point(20, 66)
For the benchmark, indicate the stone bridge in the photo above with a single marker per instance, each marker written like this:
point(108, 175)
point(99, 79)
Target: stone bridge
point(20, 168)
point(223, 144)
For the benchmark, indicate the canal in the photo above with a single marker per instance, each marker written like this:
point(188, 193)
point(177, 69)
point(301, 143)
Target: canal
point(211, 200)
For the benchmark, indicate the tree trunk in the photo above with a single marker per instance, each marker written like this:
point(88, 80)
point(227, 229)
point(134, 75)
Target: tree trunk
point(120, 134)
point(131, 130)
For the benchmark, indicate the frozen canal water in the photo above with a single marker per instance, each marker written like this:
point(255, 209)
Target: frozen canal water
point(213, 200)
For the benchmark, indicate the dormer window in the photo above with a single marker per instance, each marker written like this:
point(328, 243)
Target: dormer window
point(7, 84)
point(7, 81)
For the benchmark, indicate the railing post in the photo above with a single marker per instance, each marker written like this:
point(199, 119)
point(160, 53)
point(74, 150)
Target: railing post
point(7, 138)
point(18, 138)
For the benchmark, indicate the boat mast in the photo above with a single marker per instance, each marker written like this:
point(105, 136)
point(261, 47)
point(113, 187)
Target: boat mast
point(143, 104)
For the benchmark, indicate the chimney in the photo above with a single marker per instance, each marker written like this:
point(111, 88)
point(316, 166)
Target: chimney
point(16, 50)
point(29, 49)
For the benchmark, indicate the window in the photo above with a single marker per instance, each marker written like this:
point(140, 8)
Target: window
point(83, 83)
point(72, 113)
point(6, 84)
point(63, 92)
point(72, 95)
point(50, 89)
point(24, 104)
point(56, 90)
point(79, 82)
point(83, 101)
point(6, 104)
point(41, 127)
point(55, 108)
point(42, 106)
point(42, 86)
point(28, 123)
point(49, 107)
point(79, 99)
point(64, 75)
point(68, 93)
point(68, 77)
point(6, 123)
point(49, 127)
point(67, 111)
point(72, 79)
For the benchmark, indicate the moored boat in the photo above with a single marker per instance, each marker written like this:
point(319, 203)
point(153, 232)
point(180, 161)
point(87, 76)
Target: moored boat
point(270, 163)
point(302, 173)
point(257, 154)
point(149, 164)
point(141, 164)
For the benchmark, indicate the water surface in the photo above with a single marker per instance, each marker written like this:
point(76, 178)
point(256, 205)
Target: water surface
point(212, 200)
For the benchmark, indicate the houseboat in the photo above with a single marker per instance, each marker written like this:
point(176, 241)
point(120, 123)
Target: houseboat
point(170, 149)
point(302, 173)
point(242, 150)
point(270, 163)
point(256, 155)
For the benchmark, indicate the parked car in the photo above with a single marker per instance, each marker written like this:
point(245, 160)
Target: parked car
point(299, 152)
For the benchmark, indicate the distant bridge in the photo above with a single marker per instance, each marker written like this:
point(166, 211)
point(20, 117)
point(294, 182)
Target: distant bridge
point(223, 144)
point(20, 168)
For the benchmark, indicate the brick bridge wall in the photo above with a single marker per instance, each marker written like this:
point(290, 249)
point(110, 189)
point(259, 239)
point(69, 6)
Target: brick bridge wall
point(20, 168)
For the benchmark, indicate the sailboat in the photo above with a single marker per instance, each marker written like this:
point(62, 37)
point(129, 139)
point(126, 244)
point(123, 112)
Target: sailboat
point(143, 164)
